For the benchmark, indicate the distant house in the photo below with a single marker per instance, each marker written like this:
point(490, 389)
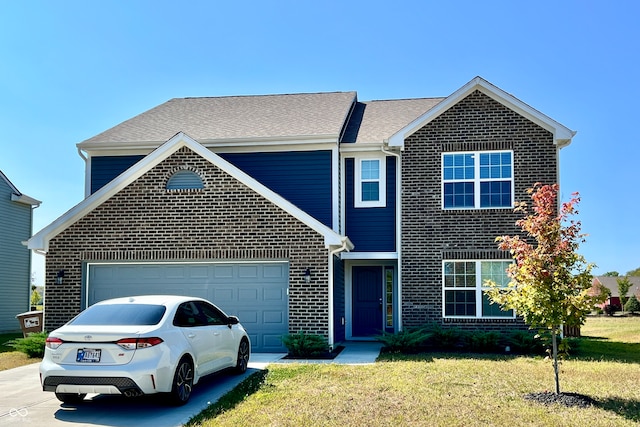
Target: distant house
point(316, 212)
point(611, 283)
point(16, 219)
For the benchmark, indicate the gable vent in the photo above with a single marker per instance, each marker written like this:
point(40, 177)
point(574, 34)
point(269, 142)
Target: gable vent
point(185, 180)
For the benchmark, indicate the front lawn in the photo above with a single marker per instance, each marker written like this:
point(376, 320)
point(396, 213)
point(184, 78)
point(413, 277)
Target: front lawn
point(9, 357)
point(438, 389)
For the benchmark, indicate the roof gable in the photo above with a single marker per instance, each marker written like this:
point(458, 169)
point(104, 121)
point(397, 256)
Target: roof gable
point(17, 196)
point(562, 135)
point(40, 241)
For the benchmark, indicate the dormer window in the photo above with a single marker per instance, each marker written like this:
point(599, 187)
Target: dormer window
point(370, 188)
point(185, 180)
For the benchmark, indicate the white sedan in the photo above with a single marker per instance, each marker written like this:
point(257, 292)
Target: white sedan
point(142, 345)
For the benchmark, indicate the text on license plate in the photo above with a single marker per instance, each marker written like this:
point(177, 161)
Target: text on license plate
point(90, 355)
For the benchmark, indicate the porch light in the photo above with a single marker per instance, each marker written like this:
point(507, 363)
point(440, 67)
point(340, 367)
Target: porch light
point(59, 277)
point(307, 276)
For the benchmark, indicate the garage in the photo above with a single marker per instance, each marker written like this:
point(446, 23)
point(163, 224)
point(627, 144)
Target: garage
point(256, 292)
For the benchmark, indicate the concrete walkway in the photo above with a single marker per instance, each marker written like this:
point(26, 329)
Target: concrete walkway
point(354, 353)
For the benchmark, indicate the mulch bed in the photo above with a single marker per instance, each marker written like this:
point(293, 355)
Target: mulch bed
point(566, 399)
point(322, 356)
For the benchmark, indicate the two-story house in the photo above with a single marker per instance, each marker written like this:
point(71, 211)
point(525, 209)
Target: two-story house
point(314, 212)
point(16, 224)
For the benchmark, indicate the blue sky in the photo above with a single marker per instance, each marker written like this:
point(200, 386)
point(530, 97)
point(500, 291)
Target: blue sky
point(70, 70)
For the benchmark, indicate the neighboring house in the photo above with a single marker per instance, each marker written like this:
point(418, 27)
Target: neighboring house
point(611, 283)
point(16, 220)
point(313, 212)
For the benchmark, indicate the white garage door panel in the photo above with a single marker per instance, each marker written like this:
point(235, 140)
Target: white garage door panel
point(255, 292)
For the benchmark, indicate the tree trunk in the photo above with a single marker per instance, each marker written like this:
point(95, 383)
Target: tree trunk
point(554, 339)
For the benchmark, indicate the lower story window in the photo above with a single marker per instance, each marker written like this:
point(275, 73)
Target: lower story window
point(463, 288)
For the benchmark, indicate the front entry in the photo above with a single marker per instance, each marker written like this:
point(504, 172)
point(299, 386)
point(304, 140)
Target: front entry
point(367, 304)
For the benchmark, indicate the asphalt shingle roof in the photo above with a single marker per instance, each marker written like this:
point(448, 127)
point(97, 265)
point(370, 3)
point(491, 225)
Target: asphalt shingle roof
point(375, 121)
point(611, 282)
point(236, 117)
point(275, 117)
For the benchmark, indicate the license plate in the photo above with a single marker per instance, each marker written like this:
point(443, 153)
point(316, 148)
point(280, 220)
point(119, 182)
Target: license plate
point(88, 355)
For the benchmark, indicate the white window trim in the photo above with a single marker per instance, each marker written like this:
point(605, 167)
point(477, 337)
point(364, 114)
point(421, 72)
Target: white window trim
point(476, 180)
point(382, 182)
point(479, 288)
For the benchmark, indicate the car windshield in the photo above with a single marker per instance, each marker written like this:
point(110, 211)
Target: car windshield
point(121, 314)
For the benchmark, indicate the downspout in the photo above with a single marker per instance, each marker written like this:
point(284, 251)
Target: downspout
point(398, 232)
point(331, 255)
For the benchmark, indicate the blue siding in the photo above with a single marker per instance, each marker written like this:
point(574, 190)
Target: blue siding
point(371, 229)
point(105, 168)
point(301, 177)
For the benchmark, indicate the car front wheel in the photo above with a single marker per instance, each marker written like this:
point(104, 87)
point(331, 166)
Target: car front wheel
point(243, 357)
point(72, 398)
point(182, 383)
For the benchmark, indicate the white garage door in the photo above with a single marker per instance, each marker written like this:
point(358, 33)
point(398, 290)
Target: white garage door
point(256, 292)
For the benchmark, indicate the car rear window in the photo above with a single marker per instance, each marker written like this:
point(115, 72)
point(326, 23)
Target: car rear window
point(121, 314)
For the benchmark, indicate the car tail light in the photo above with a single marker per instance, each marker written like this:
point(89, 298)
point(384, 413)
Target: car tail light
point(53, 342)
point(135, 343)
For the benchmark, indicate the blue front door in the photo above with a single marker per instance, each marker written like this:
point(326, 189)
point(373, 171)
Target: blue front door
point(367, 301)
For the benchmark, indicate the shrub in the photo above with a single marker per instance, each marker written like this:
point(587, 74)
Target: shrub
point(434, 337)
point(446, 339)
point(305, 345)
point(406, 341)
point(32, 345)
point(610, 309)
point(632, 305)
point(481, 341)
point(524, 342)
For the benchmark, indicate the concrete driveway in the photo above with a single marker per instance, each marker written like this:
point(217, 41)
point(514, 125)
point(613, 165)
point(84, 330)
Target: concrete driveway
point(22, 401)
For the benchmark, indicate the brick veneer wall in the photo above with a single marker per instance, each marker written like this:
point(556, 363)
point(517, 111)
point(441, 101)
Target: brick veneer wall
point(224, 221)
point(431, 234)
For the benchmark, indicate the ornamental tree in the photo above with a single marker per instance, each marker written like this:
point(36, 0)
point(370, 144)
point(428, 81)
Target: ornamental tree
point(623, 289)
point(550, 281)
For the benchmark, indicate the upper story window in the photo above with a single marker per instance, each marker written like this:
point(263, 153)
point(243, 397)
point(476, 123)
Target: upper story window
point(185, 180)
point(463, 288)
point(370, 188)
point(477, 180)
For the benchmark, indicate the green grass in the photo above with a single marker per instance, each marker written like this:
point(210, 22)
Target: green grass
point(609, 338)
point(9, 357)
point(438, 389)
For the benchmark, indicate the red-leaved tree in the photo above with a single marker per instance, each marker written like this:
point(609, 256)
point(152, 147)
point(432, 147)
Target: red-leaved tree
point(550, 282)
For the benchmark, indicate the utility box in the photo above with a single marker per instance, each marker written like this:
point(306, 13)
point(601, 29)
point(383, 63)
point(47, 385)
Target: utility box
point(31, 321)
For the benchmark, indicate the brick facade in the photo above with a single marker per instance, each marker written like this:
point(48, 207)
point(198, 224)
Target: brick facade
point(431, 234)
point(224, 221)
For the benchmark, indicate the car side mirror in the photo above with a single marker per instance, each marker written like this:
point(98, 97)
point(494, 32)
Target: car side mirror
point(233, 320)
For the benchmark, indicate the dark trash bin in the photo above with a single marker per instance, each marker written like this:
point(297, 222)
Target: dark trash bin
point(31, 321)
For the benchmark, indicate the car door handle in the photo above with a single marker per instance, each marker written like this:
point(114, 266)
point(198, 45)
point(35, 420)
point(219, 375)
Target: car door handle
point(215, 334)
point(191, 335)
